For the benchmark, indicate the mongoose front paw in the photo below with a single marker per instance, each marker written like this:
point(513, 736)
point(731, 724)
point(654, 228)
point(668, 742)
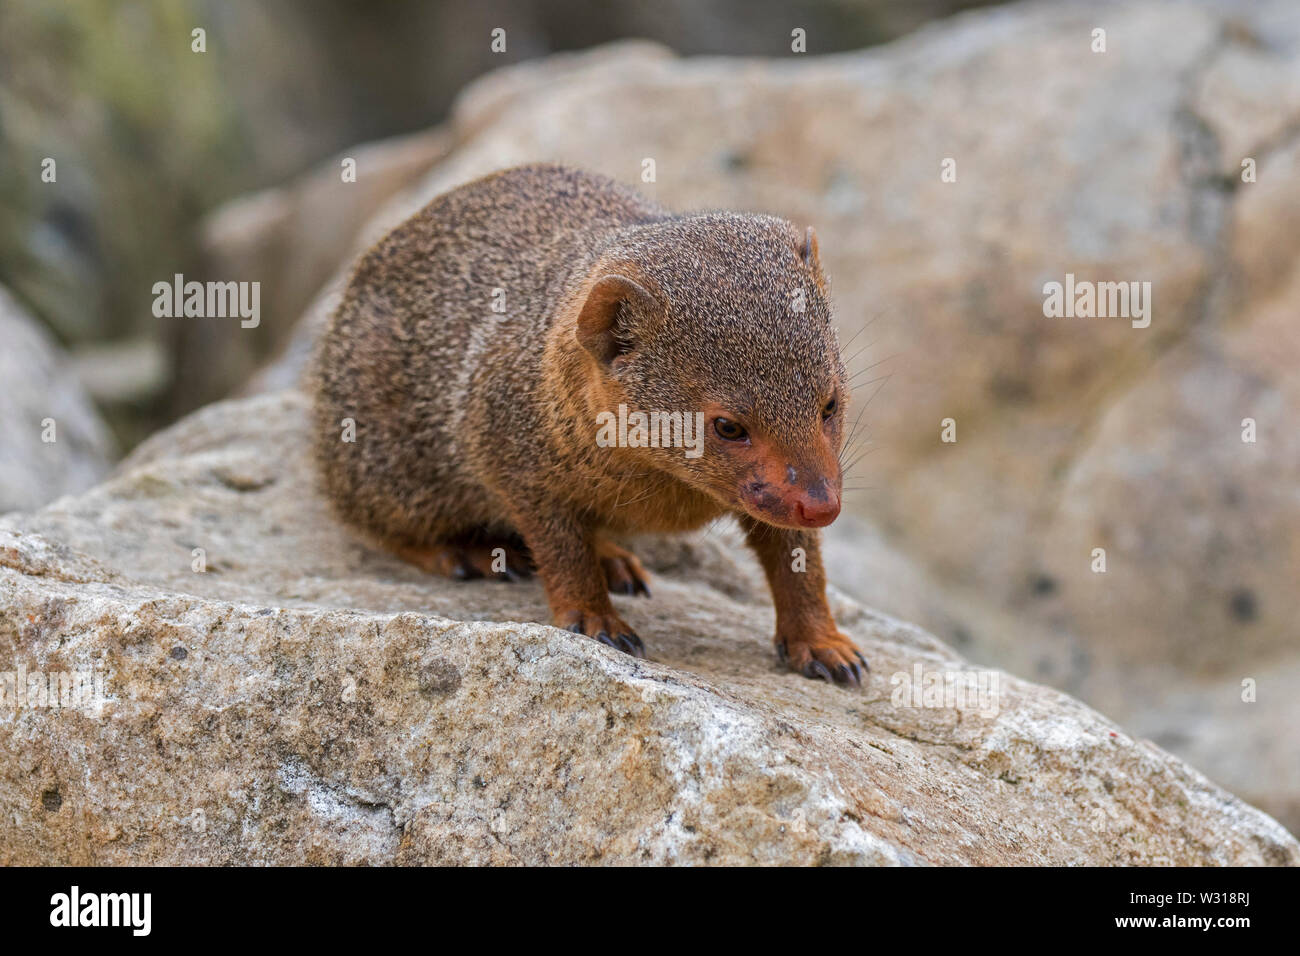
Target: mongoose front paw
point(624, 574)
point(607, 628)
point(827, 655)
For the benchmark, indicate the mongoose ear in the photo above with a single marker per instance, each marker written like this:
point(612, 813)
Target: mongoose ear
point(808, 249)
point(598, 322)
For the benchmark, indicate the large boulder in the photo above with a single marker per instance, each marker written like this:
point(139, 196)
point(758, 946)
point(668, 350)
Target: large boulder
point(54, 440)
point(1072, 434)
point(267, 689)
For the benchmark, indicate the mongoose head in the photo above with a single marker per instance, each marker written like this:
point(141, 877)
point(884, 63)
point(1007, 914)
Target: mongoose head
point(724, 317)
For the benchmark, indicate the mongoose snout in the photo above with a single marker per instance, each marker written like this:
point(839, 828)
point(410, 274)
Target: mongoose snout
point(541, 360)
point(771, 487)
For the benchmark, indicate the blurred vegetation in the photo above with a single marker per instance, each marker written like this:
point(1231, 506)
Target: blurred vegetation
point(148, 135)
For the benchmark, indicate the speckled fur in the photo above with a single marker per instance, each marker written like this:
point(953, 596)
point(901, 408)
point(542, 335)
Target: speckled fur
point(467, 419)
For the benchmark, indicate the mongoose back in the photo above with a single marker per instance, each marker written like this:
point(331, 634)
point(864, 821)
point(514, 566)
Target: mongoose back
point(500, 354)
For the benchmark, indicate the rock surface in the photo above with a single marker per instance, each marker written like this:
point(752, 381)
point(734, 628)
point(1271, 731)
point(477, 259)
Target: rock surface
point(1072, 434)
point(40, 398)
point(303, 699)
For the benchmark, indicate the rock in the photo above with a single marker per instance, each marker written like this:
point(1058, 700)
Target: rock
point(41, 398)
point(1072, 434)
point(304, 699)
point(122, 372)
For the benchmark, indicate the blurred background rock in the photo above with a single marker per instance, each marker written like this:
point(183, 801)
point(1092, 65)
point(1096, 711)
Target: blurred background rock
point(148, 136)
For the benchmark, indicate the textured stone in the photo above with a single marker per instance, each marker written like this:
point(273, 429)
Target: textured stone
point(307, 700)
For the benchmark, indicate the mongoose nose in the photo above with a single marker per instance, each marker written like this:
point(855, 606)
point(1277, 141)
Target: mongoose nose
point(812, 513)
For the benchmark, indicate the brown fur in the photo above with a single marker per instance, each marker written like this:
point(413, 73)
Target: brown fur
point(476, 429)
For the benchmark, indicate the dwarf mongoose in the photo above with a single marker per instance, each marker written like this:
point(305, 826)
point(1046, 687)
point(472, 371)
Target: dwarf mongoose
point(500, 353)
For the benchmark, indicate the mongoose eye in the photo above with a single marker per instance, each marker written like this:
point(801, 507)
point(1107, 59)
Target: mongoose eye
point(729, 430)
point(829, 410)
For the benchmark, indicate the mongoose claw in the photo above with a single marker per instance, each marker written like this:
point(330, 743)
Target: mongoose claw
point(624, 573)
point(830, 656)
point(818, 671)
point(632, 644)
point(627, 642)
point(599, 627)
point(848, 674)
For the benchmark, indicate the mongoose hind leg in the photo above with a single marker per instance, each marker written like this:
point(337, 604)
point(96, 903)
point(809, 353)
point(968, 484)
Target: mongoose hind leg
point(624, 573)
point(474, 555)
